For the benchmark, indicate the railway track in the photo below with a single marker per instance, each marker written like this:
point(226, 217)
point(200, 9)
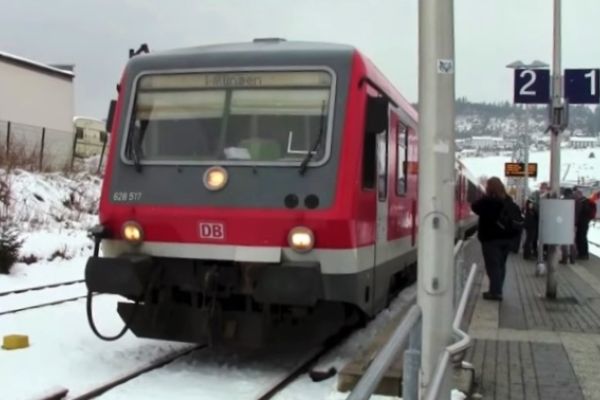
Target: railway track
point(41, 287)
point(275, 386)
point(302, 366)
point(61, 393)
point(46, 304)
point(27, 298)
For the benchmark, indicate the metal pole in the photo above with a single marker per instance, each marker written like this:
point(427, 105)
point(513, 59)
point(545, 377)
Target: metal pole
point(526, 157)
point(556, 126)
point(436, 182)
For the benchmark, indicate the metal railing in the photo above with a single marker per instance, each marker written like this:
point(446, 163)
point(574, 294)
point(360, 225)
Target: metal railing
point(369, 381)
point(457, 347)
point(410, 329)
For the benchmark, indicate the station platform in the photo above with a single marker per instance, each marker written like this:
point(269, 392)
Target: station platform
point(530, 347)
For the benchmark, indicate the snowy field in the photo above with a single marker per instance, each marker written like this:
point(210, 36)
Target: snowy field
point(575, 164)
point(53, 213)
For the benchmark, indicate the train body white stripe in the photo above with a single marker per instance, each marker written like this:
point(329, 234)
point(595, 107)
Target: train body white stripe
point(332, 261)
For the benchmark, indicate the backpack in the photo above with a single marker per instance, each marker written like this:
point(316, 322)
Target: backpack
point(510, 220)
point(588, 209)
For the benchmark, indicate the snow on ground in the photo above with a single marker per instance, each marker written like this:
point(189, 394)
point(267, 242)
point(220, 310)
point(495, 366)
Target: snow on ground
point(64, 351)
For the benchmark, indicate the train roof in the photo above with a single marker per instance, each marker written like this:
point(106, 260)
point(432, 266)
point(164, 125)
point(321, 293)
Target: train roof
point(256, 53)
point(267, 45)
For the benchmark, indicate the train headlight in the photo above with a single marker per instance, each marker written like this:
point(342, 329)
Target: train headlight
point(301, 239)
point(132, 232)
point(215, 178)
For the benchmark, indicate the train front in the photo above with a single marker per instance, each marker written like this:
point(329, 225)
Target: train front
point(218, 200)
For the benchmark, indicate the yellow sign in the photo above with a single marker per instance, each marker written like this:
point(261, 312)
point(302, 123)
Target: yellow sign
point(517, 170)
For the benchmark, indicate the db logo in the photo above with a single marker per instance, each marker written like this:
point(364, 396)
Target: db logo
point(212, 230)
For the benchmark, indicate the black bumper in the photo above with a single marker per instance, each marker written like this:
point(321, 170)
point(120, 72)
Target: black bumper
point(298, 284)
point(127, 276)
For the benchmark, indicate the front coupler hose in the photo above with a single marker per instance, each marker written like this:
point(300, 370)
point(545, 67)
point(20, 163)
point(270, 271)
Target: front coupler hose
point(90, 316)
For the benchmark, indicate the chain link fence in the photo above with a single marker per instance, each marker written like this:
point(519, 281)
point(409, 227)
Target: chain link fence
point(43, 149)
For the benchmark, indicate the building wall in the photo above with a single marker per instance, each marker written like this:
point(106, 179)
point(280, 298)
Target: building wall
point(35, 98)
point(31, 99)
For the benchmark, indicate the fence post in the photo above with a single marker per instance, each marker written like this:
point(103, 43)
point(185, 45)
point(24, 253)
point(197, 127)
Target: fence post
point(101, 156)
point(7, 139)
point(42, 149)
point(74, 149)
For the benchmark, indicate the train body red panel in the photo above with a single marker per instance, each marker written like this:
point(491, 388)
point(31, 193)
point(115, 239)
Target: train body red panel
point(267, 174)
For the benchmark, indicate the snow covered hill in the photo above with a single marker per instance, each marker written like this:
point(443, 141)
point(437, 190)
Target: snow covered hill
point(52, 213)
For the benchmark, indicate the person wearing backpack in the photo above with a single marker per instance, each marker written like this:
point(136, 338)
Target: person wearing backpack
point(585, 212)
point(500, 221)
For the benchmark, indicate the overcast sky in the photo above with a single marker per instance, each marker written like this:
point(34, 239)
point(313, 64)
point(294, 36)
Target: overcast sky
point(96, 35)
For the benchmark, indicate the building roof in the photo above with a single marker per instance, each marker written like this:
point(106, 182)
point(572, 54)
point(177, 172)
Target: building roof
point(583, 139)
point(34, 65)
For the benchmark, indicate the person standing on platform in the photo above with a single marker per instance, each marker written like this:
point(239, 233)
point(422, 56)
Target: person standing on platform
point(569, 250)
point(500, 220)
point(585, 211)
point(531, 231)
point(535, 198)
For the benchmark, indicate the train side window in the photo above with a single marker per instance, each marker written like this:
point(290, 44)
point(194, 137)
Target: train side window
point(368, 167)
point(401, 158)
point(471, 192)
point(382, 162)
point(376, 122)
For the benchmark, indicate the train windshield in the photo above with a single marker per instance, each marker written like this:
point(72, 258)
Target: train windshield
point(273, 117)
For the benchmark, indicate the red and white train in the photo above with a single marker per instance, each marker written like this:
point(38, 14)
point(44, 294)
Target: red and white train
point(251, 185)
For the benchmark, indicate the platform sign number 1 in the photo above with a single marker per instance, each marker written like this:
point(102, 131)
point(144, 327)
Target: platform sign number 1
point(582, 86)
point(532, 86)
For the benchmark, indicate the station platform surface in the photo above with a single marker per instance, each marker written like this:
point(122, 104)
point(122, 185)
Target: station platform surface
point(530, 347)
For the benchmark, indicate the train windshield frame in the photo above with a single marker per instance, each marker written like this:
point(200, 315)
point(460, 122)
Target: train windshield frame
point(231, 117)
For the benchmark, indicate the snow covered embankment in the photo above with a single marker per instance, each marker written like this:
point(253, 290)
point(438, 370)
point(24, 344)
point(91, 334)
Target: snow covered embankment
point(53, 212)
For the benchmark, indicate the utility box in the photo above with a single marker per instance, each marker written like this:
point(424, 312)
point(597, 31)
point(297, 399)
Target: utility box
point(557, 221)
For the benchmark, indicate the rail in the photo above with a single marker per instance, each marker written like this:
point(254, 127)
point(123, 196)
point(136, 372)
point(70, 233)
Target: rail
point(410, 327)
point(461, 345)
point(369, 381)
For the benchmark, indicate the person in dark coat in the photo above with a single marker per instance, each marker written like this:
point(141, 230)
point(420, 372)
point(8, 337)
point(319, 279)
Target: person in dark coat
point(584, 213)
point(495, 241)
point(569, 250)
point(531, 231)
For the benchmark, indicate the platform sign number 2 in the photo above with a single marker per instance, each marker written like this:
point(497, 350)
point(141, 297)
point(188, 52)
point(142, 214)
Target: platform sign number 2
point(582, 86)
point(532, 86)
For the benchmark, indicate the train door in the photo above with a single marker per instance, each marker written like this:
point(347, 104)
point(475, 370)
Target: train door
point(384, 151)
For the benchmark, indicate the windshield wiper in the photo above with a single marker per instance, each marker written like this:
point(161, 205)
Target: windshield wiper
point(311, 152)
point(135, 142)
